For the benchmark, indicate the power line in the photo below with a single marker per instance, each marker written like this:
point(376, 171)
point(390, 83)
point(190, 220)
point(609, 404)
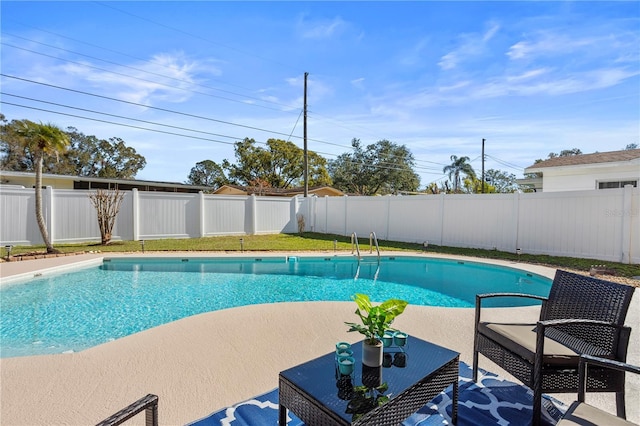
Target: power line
point(113, 51)
point(145, 106)
point(120, 116)
point(144, 71)
point(114, 123)
point(174, 133)
point(180, 113)
point(142, 79)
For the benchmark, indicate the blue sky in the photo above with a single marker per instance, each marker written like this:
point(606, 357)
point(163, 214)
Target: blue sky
point(529, 77)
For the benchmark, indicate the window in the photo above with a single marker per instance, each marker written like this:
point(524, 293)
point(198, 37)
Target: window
point(617, 184)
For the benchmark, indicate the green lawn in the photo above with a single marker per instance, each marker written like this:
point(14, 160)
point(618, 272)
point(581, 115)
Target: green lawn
point(321, 243)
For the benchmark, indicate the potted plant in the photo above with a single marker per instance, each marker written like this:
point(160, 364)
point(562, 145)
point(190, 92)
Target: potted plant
point(375, 321)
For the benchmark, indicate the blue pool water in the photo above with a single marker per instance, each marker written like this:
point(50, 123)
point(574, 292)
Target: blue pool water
point(77, 310)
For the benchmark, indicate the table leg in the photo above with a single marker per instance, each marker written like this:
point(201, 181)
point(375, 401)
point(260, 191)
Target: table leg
point(282, 411)
point(454, 404)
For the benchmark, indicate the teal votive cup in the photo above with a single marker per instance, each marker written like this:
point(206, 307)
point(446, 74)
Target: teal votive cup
point(387, 339)
point(400, 339)
point(341, 346)
point(345, 365)
point(344, 353)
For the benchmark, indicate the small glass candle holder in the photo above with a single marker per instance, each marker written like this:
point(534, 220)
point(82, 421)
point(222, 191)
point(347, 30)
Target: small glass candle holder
point(345, 365)
point(341, 346)
point(400, 339)
point(344, 353)
point(387, 339)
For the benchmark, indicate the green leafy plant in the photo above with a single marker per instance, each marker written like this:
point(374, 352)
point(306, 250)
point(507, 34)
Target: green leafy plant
point(375, 319)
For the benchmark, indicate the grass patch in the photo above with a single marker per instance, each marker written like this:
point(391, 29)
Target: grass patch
point(309, 241)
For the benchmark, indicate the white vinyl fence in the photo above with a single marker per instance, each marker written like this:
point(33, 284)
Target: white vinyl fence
point(599, 224)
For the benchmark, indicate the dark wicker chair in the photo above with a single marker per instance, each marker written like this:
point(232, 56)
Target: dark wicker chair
point(581, 413)
point(581, 315)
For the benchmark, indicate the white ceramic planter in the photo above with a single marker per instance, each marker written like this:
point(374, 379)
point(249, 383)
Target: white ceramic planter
point(372, 354)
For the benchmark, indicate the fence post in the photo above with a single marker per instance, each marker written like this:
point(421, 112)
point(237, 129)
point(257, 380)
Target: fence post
point(253, 213)
point(387, 237)
point(626, 217)
point(516, 225)
point(442, 195)
point(346, 215)
point(135, 217)
point(50, 214)
point(326, 214)
point(202, 215)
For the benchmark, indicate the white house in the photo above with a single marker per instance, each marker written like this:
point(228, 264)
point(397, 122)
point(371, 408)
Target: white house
point(600, 170)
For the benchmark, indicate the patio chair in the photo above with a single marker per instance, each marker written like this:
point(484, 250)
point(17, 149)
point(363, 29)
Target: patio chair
point(581, 413)
point(581, 315)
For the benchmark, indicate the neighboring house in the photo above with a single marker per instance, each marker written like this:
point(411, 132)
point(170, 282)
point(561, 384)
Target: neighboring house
point(601, 170)
point(28, 180)
point(319, 191)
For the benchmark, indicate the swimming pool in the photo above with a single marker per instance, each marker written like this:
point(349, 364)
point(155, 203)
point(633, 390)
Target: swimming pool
point(77, 310)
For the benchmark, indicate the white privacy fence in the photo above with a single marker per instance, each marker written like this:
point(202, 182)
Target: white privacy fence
point(599, 224)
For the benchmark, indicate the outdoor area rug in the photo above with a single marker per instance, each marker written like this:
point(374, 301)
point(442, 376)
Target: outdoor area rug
point(491, 401)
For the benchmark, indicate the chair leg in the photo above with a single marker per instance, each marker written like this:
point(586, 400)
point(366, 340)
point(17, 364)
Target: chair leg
point(620, 407)
point(537, 406)
point(475, 365)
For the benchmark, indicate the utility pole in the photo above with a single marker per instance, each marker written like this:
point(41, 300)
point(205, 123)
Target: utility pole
point(306, 156)
point(483, 165)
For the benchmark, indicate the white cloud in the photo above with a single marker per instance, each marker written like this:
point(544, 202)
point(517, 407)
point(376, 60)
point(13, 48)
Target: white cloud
point(321, 29)
point(358, 83)
point(164, 77)
point(471, 45)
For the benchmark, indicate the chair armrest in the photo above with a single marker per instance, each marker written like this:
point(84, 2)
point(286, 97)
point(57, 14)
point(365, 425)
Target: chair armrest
point(577, 344)
point(149, 403)
point(601, 362)
point(565, 321)
point(529, 296)
point(480, 297)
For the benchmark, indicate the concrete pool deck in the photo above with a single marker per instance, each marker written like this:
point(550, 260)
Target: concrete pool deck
point(205, 362)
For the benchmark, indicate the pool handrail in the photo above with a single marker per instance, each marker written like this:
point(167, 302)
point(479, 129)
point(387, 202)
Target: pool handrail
point(354, 243)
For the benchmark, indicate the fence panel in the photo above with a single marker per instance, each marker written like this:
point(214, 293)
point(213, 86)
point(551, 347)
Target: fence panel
point(574, 224)
point(416, 219)
point(225, 215)
point(276, 215)
point(75, 217)
point(168, 215)
point(479, 221)
point(334, 215)
point(366, 215)
point(18, 223)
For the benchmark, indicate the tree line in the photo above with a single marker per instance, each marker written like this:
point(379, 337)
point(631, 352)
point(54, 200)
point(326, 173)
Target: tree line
point(380, 168)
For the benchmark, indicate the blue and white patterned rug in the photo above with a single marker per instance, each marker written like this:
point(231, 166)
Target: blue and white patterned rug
point(491, 401)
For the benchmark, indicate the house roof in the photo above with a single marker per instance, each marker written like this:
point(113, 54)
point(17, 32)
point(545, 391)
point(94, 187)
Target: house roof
point(279, 191)
point(582, 159)
point(131, 182)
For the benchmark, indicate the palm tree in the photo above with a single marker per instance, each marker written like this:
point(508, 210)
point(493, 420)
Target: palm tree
point(458, 166)
point(43, 140)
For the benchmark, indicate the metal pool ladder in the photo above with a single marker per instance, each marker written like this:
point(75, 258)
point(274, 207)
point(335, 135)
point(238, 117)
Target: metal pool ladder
point(355, 246)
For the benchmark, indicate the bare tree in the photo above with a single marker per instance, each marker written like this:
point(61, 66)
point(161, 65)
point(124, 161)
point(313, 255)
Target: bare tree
point(107, 204)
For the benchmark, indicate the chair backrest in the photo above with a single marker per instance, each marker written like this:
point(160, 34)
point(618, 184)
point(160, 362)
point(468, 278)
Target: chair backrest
point(575, 296)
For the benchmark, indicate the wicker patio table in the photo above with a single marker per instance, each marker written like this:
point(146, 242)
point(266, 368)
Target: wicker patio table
point(319, 395)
